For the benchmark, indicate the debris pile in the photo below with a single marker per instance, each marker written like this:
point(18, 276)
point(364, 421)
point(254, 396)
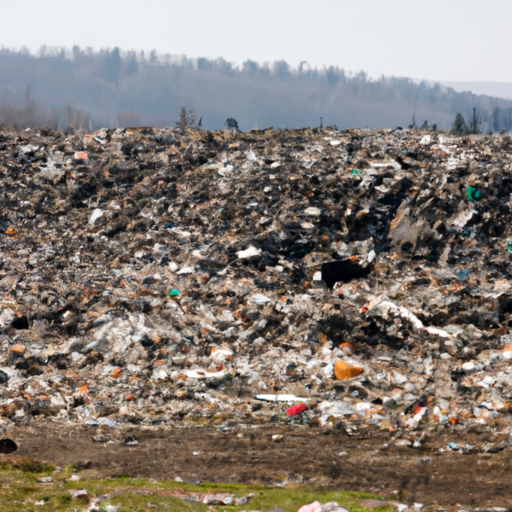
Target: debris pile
point(153, 277)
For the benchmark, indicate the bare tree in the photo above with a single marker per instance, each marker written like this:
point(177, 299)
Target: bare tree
point(188, 119)
point(475, 122)
point(79, 122)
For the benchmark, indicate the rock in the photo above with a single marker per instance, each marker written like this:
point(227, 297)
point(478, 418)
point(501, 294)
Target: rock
point(331, 507)
point(372, 504)
point(78, 494)
point(100, 438)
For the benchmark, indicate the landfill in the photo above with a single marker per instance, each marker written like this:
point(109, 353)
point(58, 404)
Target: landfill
point(152, 277)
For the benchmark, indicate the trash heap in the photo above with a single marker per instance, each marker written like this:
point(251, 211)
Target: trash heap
point(358, 280)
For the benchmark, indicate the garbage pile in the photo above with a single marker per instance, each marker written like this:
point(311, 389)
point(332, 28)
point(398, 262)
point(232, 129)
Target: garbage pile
point(355, 280)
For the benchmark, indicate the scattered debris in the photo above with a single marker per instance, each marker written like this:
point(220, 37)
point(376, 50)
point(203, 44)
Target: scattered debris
point(152, 276)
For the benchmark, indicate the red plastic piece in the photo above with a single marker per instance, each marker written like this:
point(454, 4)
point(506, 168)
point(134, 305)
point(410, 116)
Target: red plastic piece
point(296, 409)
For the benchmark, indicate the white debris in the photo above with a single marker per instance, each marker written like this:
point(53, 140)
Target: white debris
point(386, 307)
point(463, 218)
point(220, 355)
point(186, 270)
point(280, 398)
point(95, 215)
point(250, 252)
point(6, 317)
point(259, 300)
point(204, 374)
point(317, 276)
point(312, 210)
point(370, 258)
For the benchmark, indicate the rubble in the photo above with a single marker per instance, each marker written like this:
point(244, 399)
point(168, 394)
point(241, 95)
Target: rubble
point(154, 277)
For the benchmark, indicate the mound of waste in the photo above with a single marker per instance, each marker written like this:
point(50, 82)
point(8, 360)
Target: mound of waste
point(148, 276)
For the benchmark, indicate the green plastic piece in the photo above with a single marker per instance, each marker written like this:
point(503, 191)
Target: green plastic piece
point(509, 245)
point(473, 193)
point(174, 292)
point(355, 172)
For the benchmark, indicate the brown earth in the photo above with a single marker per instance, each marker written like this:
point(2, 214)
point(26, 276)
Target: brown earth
point(308, 456)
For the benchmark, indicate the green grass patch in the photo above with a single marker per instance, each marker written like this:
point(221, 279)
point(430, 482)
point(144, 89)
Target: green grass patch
point(26, 466)
point(21, 490)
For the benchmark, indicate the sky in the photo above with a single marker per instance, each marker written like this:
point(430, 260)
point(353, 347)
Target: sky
point(445, 40)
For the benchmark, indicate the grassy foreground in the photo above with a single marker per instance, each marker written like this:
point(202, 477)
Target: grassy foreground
point(21, 489)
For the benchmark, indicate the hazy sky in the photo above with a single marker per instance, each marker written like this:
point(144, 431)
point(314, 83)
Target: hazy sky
point(463, 40)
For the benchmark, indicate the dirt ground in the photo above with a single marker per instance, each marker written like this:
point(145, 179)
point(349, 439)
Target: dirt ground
point(304, 455)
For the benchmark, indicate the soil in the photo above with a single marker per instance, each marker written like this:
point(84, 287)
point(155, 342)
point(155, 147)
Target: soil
point(327, 459)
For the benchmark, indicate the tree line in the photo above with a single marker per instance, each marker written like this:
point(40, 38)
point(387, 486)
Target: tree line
point(82, 89)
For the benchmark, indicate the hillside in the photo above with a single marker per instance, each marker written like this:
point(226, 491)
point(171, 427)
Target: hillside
point(86, 90)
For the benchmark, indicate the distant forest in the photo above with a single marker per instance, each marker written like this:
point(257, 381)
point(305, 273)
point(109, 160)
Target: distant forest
point(81, 89)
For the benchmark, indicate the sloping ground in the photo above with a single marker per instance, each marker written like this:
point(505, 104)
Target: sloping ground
point(149, 277)
point(315, 458)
